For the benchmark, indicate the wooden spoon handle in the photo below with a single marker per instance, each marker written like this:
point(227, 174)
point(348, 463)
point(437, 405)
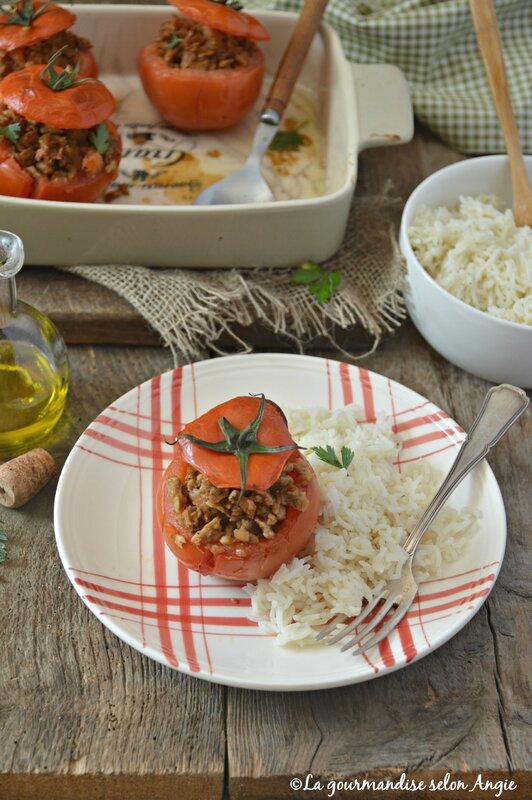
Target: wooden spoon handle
point(294, 55)
point(485, 22)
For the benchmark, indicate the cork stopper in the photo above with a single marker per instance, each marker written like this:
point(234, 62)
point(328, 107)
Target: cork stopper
point(24, 476)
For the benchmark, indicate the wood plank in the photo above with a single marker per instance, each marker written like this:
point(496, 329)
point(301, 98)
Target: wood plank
point(84, 312)
point(83, 714)
point(78, 707)
point(87, 313)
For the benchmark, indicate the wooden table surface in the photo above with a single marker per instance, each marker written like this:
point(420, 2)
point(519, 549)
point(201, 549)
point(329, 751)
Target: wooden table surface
point(83, 715)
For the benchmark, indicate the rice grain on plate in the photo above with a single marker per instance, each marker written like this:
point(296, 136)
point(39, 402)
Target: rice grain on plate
point(476, 252)
point(365, 513)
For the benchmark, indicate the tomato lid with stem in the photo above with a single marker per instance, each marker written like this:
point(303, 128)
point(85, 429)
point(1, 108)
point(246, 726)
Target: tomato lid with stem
point(57, 97)
point(243, 443)
point(219, 16)
point(29, 21)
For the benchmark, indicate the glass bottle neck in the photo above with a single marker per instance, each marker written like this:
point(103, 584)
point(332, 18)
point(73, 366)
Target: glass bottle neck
point(8, 299)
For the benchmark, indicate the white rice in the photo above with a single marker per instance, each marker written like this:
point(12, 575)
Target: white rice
point(364, 515)
point(476, 252)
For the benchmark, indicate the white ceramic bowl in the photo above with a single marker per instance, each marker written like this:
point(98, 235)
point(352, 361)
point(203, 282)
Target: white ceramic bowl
point(492, 348)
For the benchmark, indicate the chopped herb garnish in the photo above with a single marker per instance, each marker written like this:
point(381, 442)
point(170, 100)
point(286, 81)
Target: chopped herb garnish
point(287, 140)
point(240, 443)
point(309, 272)
point(3, 540)
point(22, 14)
point(174, 40)
point(324, 288)
point(11, 132)
point(65, 78)
point(319, 281)
point(99, 136)
point(328, 455)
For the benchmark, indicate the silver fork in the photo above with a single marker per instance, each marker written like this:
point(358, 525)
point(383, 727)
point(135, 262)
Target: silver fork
point(502, 406)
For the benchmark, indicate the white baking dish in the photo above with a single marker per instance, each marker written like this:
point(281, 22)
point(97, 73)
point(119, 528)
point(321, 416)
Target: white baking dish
point(355, 107)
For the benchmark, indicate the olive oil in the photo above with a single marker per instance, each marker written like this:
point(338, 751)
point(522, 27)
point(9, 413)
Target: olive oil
point(34, 371)
point(32, 396)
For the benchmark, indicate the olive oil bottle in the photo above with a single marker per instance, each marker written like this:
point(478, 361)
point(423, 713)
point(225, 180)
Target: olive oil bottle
point(34, 372)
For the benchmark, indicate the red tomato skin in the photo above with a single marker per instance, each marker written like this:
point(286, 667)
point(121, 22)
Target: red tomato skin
point(262, 559)
point(223, 18)
point(82, 105)
point(55, 19)
point(200, 100)
point(88, 67)
point(15, 181)
point(222, 469)
point(80, 189)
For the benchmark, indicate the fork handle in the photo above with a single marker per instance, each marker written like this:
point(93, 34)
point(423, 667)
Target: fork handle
point(292, 61)
point(502, 406)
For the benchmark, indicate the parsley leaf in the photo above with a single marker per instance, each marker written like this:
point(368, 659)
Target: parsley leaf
point(99, 136)
point(347, 456)
point(324, 288)
point(174, 40)
point(3, 539)
point(11, 132)
point(307, 273)
point(328, 455)
point(287, 140)
point(320, 283)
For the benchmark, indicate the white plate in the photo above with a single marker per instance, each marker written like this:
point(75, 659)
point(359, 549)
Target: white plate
point(114, 555)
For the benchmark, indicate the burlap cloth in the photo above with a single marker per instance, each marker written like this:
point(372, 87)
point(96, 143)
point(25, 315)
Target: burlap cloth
point(190, 309)
point(433, 42)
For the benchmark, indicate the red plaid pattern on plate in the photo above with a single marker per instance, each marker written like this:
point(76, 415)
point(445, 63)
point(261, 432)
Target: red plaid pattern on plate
point(115, 556)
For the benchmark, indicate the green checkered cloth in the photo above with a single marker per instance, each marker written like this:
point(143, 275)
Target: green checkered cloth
point(434, 44)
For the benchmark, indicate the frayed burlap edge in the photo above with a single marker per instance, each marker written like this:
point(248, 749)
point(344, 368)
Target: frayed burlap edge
point(190, 309)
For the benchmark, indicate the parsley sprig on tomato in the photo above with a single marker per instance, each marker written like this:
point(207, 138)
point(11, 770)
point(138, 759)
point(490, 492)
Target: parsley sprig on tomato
point(205, 71)
point(32, 31)
point(56, 141)
point(238, 499)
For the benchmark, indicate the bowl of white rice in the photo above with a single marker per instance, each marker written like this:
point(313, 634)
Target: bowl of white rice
point(469, 289)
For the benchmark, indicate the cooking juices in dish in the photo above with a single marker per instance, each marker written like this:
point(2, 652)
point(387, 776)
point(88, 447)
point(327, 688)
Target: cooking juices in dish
point(238, 500)
point(162, 166)
point(32, 31)
point(207, 46)
point(205, 70)
point(56, 141)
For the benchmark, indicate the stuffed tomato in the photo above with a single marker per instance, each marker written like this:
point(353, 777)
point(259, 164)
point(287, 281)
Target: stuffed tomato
point(56, 141)
point(32, 31)
point(205, 70)
point(238, 500)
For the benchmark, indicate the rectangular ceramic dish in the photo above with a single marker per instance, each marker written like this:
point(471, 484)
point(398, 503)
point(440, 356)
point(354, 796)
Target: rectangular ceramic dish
point(342, 108)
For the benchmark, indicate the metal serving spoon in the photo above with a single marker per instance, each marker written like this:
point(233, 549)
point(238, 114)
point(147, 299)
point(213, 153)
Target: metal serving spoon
point(247, 185)
point(489, 42)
